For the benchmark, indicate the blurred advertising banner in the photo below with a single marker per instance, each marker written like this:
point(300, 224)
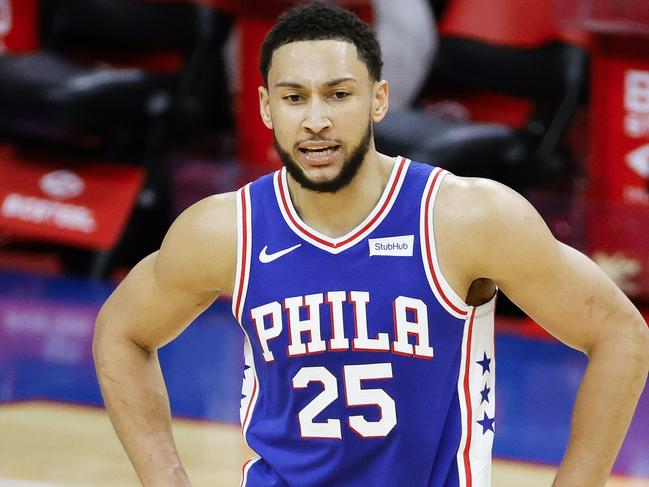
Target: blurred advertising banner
point(618, 213)
point(620, 120)
point(18, 25)
point(55, 331)
point(79, 204)
point(617, 210)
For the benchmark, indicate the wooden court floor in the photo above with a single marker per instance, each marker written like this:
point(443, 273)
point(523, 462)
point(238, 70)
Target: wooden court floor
point(47, 444)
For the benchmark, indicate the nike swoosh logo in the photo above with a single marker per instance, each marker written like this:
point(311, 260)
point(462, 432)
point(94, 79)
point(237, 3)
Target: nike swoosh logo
point(265, 258)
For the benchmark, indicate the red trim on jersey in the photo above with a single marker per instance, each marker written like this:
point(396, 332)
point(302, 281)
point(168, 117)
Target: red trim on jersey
point(243, 471)
point(244, 251)
point(429, 256)
point(467, 398)
point(335, 245)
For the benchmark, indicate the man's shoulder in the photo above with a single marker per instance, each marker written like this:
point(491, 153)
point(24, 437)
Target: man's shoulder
point(202, 242)
point(210, 217)
point(475, 201)
point(477, 219)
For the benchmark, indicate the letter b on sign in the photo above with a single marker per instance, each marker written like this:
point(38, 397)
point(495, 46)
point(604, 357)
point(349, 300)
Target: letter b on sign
point(636, 91)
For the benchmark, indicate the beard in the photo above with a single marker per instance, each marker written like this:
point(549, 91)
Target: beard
point(350, 167)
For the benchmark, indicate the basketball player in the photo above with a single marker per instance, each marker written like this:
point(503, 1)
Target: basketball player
point(365, 287)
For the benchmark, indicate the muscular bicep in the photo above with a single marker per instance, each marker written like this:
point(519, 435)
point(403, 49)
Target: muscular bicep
point(149, 309)
point(486, 230)
point(168, 289)
point(559, 287)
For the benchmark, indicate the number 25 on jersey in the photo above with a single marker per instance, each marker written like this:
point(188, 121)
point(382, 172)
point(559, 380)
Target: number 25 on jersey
point(355, 395)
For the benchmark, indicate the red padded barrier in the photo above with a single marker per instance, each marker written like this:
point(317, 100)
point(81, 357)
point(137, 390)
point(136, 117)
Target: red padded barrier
point(64, 201)
point(617, 210)
point(18, 25)
point(507, 22)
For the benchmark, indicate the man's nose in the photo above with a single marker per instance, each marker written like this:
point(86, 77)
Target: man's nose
point(316, 117)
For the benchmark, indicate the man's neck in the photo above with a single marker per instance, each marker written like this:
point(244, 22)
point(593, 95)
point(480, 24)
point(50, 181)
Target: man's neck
point(336, 214)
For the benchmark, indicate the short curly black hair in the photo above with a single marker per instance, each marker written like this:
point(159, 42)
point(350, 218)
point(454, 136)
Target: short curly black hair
point(319, 21)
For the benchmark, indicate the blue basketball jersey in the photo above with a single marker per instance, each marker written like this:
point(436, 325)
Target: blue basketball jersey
point(362, 365)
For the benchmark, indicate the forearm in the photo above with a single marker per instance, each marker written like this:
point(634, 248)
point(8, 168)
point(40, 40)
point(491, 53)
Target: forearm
point(136, 400)
point(609, 392)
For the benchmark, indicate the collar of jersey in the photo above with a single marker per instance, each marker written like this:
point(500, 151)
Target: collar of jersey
point(337, 245)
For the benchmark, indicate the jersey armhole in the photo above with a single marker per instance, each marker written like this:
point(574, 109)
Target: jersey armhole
point(440, 287)
point(244, 246)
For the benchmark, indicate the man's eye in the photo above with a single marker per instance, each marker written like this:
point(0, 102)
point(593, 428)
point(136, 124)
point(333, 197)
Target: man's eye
point(293, 98)
point(339, 95)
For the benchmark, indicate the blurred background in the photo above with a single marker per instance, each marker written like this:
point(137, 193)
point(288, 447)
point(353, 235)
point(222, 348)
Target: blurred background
point(116, 115)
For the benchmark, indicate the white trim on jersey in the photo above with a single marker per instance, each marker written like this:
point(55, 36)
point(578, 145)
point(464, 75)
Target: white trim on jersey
point(250, 384)
point(463, 457)
point(438, 284)
point(246, 469)
point(244, 246)
point(340, 244)
point(474, 453)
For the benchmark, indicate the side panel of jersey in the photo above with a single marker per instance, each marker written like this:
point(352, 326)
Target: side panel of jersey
point(362, 366)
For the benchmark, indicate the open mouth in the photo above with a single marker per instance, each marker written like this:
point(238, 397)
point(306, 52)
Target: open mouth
point(321, 152)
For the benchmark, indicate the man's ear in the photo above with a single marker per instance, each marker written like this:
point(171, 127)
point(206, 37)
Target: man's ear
point(264, 107)
point(380, 93)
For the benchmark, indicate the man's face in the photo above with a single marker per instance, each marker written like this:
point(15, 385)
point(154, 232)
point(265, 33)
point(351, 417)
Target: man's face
point(321, 104)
